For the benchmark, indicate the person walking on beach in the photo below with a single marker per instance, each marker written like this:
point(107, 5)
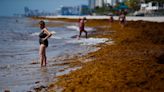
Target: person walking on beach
point(111, 20)
point(82, 27)
point(122, 19)
point(43, 40)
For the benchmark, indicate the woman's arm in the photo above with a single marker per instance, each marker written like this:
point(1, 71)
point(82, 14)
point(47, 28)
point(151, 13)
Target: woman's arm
point(48, 34)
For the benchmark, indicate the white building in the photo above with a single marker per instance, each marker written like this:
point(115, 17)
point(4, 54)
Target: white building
point(113, 2)
point(96, 3)
point(151, 6)
point(99, 3)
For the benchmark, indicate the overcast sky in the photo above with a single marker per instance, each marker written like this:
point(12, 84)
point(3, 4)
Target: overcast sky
point(10, 7)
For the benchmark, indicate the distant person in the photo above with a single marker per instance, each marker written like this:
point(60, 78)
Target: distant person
point(111, 20)
point(82, 27)
point(122, 19)
point(43, 40)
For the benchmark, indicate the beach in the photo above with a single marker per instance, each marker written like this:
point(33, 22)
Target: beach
point(112, 59)
point(132, 63)
point(19, 64)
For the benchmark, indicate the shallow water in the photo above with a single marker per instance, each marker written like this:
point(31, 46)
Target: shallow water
point(19, 49)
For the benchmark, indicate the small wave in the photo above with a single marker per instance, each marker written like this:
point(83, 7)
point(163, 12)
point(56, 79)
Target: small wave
point(77, 28)
point(89, 41)
point(46, 20)
point(73, 27)
point(32, 49)
point(4, 67)
point(67, 71)
point(56, 37)
point(53, 35)
point(53, 32)
point(37, 33)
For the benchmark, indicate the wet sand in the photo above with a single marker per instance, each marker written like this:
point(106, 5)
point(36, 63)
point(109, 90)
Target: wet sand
point(134, 63)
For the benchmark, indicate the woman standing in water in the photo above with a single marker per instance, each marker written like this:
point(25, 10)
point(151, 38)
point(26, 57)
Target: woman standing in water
point(43, 40)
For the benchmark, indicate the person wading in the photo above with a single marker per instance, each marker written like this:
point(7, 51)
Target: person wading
point(82, 27)
point(43, 40)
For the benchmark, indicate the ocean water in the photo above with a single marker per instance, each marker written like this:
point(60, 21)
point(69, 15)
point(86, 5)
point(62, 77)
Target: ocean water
point(19, 48)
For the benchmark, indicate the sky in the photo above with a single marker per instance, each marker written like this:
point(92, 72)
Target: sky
point(10, 7)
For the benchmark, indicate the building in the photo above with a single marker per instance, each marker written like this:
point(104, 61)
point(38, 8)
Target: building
point(67, 10)
point(29, 12)
point(151, 9)
point(75, 10)
point(151, 6)
point(99, 3)
point(91, 4)
point(84, 10)
point(114, 2)
point(96, 3)
point(111, 2)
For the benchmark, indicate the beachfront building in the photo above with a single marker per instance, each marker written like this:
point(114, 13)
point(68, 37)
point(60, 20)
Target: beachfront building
point(114, 2)
point(99, 3)
point(84, 10)
point(96, 3)
point(75, 10)
point(91, 4)
point(29, 12)
point(66, 10)
point(152, 8)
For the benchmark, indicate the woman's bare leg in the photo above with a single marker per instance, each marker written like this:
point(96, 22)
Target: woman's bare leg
point(41, 54)
point(44, 55)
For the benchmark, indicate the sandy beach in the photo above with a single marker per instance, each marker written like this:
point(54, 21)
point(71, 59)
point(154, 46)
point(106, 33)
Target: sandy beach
point(133, 63)
point(129, 18)
point(19, 64)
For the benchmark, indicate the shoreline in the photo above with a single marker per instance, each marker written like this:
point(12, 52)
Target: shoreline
point(68, 59)
point(133, 64)
point(128, 18)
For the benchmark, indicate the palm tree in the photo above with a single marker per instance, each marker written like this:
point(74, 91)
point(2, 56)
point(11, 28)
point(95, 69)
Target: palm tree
point(134, 5)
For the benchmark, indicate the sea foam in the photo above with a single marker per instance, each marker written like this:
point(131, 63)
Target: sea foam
point(89, 41)
point(74, 27)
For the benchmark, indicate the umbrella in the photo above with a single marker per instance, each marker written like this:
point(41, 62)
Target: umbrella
point(121, 7)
